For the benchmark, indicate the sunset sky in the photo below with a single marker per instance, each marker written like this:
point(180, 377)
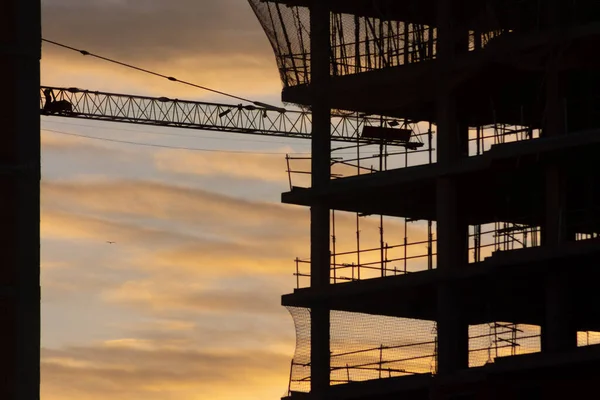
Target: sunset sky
point(185, 304)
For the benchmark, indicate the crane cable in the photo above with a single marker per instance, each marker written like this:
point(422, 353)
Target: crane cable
point(170, 78)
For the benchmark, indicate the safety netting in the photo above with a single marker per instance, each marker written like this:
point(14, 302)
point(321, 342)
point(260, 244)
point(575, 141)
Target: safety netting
point(368, 347)
point(358, 43)
point(378, 40)
point(365, 347)
point(588, 338)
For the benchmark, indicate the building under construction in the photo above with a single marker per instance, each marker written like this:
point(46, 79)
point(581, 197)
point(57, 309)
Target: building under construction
point(453, 245)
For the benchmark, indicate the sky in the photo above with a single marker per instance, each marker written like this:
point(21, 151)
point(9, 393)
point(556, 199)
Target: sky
point(186, 303)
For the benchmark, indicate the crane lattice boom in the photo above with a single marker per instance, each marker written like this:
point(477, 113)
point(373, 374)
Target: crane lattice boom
point(162, 111)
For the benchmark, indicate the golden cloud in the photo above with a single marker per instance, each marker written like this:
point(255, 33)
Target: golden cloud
point(239, 75)
point(263, 167)
point(205, 231)
point(170, 295)
point(137, 369)
point(72, 226)
point(163, 201)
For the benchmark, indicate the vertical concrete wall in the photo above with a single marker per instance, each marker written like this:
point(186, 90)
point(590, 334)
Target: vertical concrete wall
point(20, 34)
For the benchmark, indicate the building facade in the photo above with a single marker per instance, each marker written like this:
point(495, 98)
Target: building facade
point(454, 247)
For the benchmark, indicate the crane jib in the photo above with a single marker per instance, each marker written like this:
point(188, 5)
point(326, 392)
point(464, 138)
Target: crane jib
point(240, 118)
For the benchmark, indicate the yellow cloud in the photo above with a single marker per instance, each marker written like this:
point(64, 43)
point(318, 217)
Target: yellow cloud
point(53, 265)
point(163, 201)
point(74, 227)
point(179, 204)
point(205, 231)
point(238, 74)
point(131, 369)
point(164, 295)
point(56, 142)
point(265, 167)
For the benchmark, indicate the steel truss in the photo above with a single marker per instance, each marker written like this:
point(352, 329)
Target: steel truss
point(163, 111)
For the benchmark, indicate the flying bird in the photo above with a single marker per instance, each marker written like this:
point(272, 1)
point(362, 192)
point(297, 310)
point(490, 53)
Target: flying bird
point(109, 242)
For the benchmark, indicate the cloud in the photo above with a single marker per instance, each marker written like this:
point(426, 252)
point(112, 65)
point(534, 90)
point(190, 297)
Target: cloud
point(164, 296)
point(153, 29)
point(216, 331)
point(191, 227)
point(52, 141)
point(163, 201)
point(189, 295)
point(170, 217)
point(216, 43)
point(255, 82)
point(66, 225)
point(186, 253)
point(184, 248)
point(263, 167)
point(137, 369)
point(195, 213)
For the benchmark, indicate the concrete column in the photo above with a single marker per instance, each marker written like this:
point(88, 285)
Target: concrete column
point(320, 222)
point(452, 231)
point(558, 332)
point(20, 52)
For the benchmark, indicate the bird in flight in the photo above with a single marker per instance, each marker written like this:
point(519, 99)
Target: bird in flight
point(109, 242)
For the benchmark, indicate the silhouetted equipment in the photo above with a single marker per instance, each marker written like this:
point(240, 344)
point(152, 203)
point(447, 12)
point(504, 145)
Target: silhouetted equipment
point(375, 132)
point(53, 106)
point(239, 118)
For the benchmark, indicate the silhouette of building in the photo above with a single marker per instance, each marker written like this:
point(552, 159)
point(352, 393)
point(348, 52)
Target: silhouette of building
point(20, 53)
point(455, 257)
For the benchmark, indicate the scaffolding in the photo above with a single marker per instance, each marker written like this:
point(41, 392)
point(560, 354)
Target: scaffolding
point(499, 93)
point(393, 246)
point(380, 246)
point(369, 347)
point(385, 38)
point(359, 44)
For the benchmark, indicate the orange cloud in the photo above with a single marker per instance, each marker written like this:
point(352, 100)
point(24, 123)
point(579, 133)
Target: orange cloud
point(132, 370)
point(237, 74)
point(162, 201)
point(71, 226)
point(265, 167)
point(161, 296)
point(206, 232)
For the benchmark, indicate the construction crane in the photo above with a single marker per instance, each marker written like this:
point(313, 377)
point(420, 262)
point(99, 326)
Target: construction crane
point(246, 119)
